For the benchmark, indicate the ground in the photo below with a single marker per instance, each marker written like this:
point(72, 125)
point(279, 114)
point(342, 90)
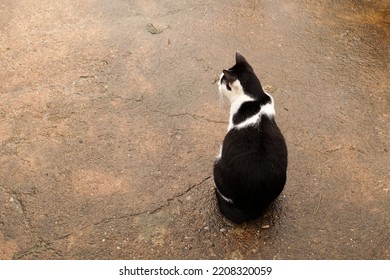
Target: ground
point(110, 121)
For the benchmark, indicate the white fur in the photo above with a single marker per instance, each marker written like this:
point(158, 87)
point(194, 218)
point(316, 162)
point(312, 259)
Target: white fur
point(249, 121)
point(224, 197)
point(236, 92)
point(268, 109)
point(235, 106)
point(220, 154)
point(236, 97)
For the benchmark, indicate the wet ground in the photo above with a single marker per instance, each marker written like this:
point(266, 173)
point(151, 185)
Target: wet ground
point(110, 121)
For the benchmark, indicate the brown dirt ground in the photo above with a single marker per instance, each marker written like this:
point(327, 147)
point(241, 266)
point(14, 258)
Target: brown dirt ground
point(110, 122)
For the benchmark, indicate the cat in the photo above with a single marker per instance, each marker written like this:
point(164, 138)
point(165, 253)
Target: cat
point(251, 169)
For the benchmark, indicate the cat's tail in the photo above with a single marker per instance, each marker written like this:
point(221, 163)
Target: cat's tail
point(234, 214)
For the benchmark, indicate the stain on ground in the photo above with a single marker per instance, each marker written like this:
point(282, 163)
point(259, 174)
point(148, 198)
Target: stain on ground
point(110, 121)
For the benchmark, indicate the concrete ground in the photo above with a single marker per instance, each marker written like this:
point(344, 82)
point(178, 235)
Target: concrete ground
point(110, 121)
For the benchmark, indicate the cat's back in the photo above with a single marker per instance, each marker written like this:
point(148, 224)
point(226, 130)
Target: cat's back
point(254, 161)
point(259, 142)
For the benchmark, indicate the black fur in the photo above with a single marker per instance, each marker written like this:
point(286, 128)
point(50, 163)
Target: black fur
point(247, 110)
point(252, 168)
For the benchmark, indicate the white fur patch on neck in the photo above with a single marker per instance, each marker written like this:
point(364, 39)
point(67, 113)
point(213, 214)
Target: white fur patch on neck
point(235, 106)
point(268, 109)
point(249, 121)
point(237, 97)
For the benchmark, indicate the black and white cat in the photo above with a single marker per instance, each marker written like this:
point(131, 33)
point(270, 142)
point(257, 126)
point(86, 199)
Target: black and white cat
point(250, 170)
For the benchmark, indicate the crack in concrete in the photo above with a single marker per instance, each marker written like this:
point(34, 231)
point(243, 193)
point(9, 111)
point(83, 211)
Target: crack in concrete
point(138, 99)
point(197, 117)
point(20, 202)
point(41, 246)
point(145, 212)
point(179, 195)
point(150, 212)
point(340, 147)
point(172, 12)
point(21, 206)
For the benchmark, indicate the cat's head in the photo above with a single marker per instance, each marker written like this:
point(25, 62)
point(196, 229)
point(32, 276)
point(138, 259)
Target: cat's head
point(240, 80)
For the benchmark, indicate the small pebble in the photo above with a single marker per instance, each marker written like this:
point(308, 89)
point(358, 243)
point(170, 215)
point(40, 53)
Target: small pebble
point(152, 29)
point(215, 80)
point(222, 230)
point(206, 228)
point(270, 89)
point(265, 226)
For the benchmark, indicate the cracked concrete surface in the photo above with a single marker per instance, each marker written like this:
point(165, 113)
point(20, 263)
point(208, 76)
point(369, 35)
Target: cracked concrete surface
point(108, 129)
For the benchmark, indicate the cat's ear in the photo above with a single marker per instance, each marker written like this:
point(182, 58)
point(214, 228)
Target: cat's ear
point(230, 76)
point(240, 60)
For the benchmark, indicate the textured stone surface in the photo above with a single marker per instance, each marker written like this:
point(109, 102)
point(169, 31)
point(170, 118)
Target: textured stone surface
point(108, 130)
